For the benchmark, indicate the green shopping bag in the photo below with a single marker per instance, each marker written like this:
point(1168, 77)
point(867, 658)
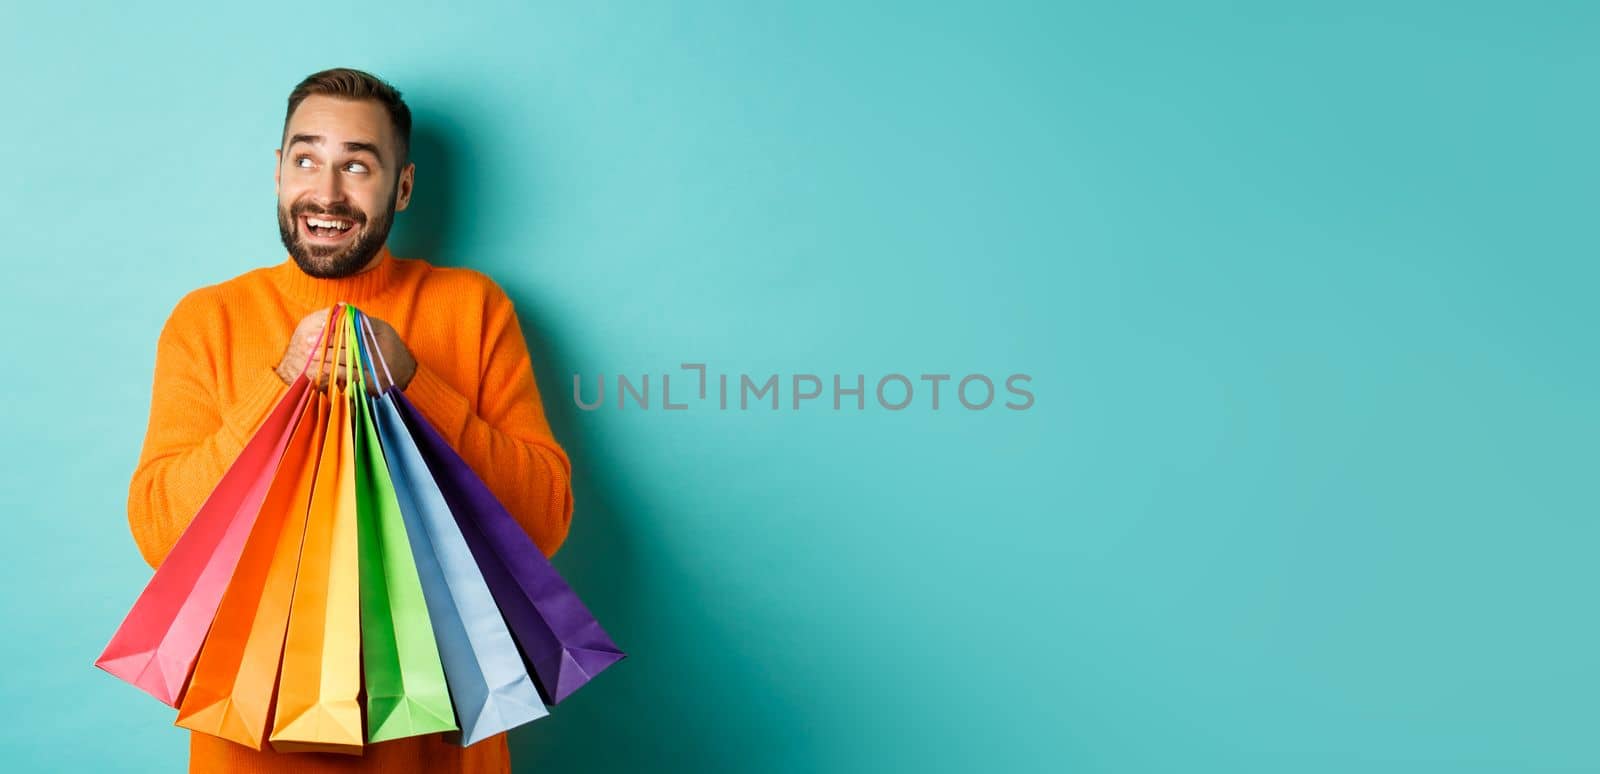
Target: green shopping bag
point(406, 691)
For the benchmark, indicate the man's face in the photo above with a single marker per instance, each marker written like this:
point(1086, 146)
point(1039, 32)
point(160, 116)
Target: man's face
point(339, 184)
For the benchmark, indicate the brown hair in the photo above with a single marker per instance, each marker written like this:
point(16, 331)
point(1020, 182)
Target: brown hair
point(348, 83)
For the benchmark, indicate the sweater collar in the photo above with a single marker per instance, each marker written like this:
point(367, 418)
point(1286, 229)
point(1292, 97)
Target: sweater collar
point(356, 288)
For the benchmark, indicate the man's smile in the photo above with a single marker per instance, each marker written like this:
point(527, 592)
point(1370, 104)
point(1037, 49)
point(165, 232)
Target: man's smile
point(325, 230)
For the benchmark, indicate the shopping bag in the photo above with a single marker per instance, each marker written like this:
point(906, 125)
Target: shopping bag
point(156, 645)
point(316, 708)
point(489, 685)
point(560, 638)
point(230, 694)
point(406, 693)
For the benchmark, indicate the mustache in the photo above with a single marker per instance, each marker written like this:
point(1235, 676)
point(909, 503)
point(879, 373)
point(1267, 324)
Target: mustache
point(342, 212)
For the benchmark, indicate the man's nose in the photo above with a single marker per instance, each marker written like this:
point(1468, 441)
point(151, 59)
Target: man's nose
point(327, 189)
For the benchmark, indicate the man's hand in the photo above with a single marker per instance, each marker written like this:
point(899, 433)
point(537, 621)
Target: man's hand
point(402, 366)
point(303, 344)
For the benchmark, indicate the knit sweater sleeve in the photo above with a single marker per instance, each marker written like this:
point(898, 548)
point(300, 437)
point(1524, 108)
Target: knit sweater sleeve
point(192, 436)
point(507, 439)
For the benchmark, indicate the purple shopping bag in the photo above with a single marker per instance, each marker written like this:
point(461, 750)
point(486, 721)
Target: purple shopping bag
point(563, 643)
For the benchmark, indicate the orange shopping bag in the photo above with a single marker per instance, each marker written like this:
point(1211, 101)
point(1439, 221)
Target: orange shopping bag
point(316, 708)
point(230, 694)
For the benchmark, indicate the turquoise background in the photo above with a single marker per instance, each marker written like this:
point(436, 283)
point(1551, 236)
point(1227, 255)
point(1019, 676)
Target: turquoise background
point(1307, 292)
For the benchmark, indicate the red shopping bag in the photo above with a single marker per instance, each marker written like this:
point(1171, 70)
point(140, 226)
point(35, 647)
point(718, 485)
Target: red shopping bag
point(156, 646)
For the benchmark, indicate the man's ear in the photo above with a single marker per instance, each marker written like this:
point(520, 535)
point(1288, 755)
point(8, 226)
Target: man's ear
point(277, 168)
point(402, 196)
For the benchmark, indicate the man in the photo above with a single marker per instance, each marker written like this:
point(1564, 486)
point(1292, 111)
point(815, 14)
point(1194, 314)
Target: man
point(450, 336)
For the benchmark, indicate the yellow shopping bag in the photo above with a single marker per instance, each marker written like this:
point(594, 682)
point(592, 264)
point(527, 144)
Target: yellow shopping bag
point(318, 686)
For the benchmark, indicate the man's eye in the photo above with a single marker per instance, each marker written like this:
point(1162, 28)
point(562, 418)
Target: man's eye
point(303, 162)
point(356, 166)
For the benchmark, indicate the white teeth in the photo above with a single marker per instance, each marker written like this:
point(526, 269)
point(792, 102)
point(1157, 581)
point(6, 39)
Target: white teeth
point(320, 223)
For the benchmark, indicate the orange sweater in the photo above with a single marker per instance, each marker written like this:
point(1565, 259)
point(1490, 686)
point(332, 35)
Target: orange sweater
point(214, 383)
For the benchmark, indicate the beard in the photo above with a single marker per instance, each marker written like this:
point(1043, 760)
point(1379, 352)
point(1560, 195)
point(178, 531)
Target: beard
point(336, 261)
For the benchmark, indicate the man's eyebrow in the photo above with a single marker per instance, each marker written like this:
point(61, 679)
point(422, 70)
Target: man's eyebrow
point(316, 139)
